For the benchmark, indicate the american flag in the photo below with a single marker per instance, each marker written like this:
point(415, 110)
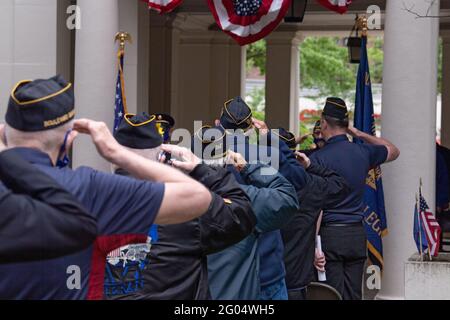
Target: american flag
point(247, 21)
point(339, 6)
point(426, 229)
point(120, 108)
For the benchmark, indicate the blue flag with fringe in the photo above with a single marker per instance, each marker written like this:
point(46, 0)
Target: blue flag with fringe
point(375, 214)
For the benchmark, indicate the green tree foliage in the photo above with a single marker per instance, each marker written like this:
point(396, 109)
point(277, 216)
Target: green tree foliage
point(324, 64)
point(256, 56)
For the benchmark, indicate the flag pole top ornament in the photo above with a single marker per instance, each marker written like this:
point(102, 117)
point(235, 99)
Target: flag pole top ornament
point(361, 23)
point(122, 38)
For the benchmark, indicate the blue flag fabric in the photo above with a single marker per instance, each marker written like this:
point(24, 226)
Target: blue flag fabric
point(375, 215)
point(120, 108)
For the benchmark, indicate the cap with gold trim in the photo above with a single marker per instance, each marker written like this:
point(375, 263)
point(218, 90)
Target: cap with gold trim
point(138, 132)
point(287, 137)
point(335, 108)
point(236, 114)
point(38, 105)
point(211, 142)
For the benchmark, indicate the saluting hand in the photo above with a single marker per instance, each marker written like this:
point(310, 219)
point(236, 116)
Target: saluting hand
point(261, 126)
point(106, 145)
point(236, 160)
point(187, 159)
point(303, 159)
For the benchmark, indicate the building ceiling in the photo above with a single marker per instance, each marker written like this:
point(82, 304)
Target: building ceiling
point(195, 14)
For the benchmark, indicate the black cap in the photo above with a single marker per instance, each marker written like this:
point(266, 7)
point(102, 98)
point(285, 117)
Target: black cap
point(138, 132)
point(335, 108)
point(41, 104)
point(287, 137)
point(165, 119)
point(164, 123)
point(236, 114)
point(212, 137)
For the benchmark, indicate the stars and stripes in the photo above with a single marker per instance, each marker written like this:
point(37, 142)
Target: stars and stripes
point(339, 6)
point(427, 232)
point(163, 6)
point(247, 21)
point(120, 108)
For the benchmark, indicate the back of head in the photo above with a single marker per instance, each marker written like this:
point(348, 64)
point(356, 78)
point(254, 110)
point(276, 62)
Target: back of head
point(39, 113)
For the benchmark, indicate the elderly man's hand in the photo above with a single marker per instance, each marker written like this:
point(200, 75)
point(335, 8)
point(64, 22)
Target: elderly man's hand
point(236, 160)
point(187, 160)
point(103, 139)
point(261, 126)
point(303, 159)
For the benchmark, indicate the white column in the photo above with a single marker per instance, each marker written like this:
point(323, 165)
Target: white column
point(95, 72)
point(409, 120)
point(283, 80)
point(29, 43)
point(129, 22)
point(445, 119)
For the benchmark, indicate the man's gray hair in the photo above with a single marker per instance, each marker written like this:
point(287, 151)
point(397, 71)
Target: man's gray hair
point(47, 140)
point(152, 154)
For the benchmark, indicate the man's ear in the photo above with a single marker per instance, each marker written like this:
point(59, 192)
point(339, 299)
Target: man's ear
point(71, 138)
point(3, 133)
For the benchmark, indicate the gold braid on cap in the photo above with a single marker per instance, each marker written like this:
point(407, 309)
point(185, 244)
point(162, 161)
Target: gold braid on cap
point(127, 117)
point(225, 107)
point(25, 103)
point(282, 137)
point(337, 104)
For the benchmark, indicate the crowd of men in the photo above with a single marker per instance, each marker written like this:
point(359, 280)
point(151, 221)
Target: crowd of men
point(229, 218)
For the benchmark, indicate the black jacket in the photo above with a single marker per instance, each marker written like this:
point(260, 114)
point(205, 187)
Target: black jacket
point(38, 218)
point(325, 189)
point(176, 265)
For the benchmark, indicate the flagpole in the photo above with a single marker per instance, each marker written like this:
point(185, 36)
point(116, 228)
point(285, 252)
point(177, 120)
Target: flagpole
point(420, 228)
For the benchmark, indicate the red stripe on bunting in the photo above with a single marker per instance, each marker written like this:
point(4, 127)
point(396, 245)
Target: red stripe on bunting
point(163, 9)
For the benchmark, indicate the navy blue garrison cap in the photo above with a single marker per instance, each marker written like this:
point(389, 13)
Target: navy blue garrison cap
point(41, 104)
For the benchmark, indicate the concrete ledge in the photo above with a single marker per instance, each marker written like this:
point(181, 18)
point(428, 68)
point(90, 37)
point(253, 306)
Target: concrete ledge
point(427, 280)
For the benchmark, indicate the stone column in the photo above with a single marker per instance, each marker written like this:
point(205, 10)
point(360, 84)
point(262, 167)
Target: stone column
point(95, 72)
point(409, 121)
point(445, 118)
point(283, 79)
point(207, 69)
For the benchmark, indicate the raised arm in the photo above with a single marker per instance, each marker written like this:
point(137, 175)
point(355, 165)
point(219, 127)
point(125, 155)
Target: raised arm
point(393, 151)
point(184, 198)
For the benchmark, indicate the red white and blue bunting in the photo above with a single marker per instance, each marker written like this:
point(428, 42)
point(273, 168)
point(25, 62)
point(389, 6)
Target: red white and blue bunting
point(247, 21)
point(163, 6)
point(339, 6)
